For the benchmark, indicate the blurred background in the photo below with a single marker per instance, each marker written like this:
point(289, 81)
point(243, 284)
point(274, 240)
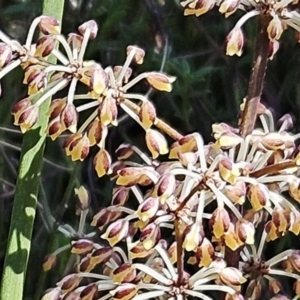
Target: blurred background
point(209, 88)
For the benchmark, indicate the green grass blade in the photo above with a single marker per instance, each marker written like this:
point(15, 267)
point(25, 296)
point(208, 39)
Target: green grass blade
point(24, 209)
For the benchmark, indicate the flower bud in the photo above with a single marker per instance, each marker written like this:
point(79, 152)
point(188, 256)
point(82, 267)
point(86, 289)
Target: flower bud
point(275, 28)
point(128, 72)
point(259, 196)
point(160, 81)
point(228, 170)
point(156, 143)
point(90, 292)
point(101, 255)
point(105, 216)
point(232, 277)
point(97, 133)
point(197, 7)
point(237, 192)
point(56, 108)
point(102, 163)
point(137, 250)
point(148, 208)
point(150, 235)
point(49, 262)
point(77, 146)
point(69, 117)
point(69, 283)
point(37, 82)
point(124, 273)
point(89, 27)
point(74, 40)
point(55, 128)
point(48, 25)
point(193, 237)
point(219, 222)
point(273, 49)
point(124, 151)
point(245, 231)
point(235, 42)
point(205, 253)
point(165, 187)
point(99, 80)
point(129, 176)
point(125, 291)
point(228, 140)
point(44, 46)
point(228, 7)
point(52, 294)
point(19, 108)
point(138, 55)
point(5, 54)
point(108, 111)
point(120, 196)
point(82, 246)
point(28, 118)
point(147, 114)
point(116, 231)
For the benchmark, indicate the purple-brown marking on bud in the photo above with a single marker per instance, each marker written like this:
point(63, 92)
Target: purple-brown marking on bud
point(235, 42)
point(90, 25)
point(139, 54)
point(49, 25)
point(102, 163)
point(147, 114)
point(124, 273)
point(160, 81)
point(116, 231)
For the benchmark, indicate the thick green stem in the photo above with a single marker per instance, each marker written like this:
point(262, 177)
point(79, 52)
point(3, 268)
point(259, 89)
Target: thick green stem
point(24, 209)
point(257, 78)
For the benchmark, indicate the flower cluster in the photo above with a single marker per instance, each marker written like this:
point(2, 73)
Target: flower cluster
point(279, 15)
point(171, 243)
point(107, 89)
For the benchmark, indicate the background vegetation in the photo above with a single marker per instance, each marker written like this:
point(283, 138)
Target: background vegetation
point(209, 88)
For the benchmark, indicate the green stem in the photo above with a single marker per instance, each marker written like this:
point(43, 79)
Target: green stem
point(25, 201)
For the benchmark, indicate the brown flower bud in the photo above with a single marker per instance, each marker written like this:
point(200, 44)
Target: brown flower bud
point(228, 140)
point(237, 192)
point(77, 146)
point(120, 196)
point(193, 237)
point(232, 277)
point(160, 81)
point(245, 231)
point(44, 46)
point(36, 82)
point(69, 283)
point(5, 54)
point(82, 246)
point(90, 292)
point(108, 111)
point(228, 170)
point(55, 128)
point(128, 72)
point(74, 40)
point(219, 222)
point(228, 7)
point(97, 133)
point(116, 231)
point(52, 294)
point(102, 163)
point(104, 216)
point(99, 80)
point(101, 256)
point(19, 108)
point(124, 151)
point(125, 291)
point(235, 42)
point(197, 7)
point(138, 55)
point(275, 28)
point(165, 187)
point(150, 235)
point(148, 208)
point(124, 273)
point(69, 117)
point(91, 27)
point(49, 25)
point(27, 118)
point(129, 176)
point(156, 143)
point(147, 114)
point(49, 262)
point(205, 253)
point(259, 196)
point(137, 250)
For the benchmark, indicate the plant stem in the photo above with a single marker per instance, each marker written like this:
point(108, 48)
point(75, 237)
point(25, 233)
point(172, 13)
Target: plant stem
point(24, 208)
point(250, 110)
point(256, 78)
